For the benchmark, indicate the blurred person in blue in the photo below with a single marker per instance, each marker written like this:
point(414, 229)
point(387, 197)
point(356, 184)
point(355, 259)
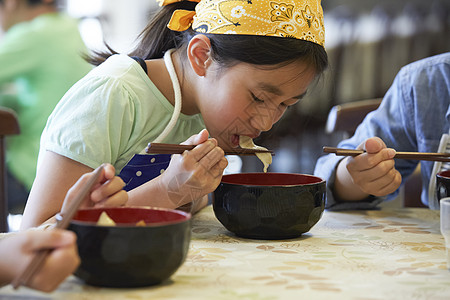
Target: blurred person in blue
point(414, 115)
point(41, 57)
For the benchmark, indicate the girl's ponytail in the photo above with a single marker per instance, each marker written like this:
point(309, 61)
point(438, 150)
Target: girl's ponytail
point(155, 39)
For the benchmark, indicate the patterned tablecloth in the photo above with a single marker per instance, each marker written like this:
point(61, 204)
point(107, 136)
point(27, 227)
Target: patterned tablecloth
point(360, 255)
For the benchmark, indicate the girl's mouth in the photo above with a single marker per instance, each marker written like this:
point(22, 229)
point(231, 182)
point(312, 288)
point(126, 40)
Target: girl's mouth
point(234, 140)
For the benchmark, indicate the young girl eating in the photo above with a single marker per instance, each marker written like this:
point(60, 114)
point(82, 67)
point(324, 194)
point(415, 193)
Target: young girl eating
point(230, 67)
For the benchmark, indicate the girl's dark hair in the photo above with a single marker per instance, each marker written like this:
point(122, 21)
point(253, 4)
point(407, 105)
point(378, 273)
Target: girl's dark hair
point(227, 49)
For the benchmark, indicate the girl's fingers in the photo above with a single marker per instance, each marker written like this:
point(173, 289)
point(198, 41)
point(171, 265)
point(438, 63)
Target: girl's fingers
point(201, 150)
point(196, 139)
point(60, 263)
point(212, 158)
point(217, 170)
point(40, 239)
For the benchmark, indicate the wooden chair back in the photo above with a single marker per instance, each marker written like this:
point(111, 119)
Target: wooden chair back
point(9, 125)
point(346, 117)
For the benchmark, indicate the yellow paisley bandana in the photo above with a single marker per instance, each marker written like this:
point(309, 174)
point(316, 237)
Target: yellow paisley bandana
point(300, 19)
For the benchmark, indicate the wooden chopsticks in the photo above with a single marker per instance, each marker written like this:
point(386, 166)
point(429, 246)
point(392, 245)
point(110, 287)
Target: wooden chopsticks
point(62, 221)
point(161, 148)
point(430, 156)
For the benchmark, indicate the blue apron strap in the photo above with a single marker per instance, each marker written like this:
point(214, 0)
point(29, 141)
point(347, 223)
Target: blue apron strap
point(142, 168)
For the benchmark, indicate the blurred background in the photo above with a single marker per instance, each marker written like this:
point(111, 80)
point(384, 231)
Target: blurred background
point(367, 42)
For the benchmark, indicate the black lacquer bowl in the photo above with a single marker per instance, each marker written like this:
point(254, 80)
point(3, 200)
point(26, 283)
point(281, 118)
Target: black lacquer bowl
point(269, 205)
point(128, 255)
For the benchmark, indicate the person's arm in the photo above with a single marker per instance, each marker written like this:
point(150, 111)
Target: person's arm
point(17, 251)
point(55, 176)
point(107, 191)
point(393, 123)
point(55, 186)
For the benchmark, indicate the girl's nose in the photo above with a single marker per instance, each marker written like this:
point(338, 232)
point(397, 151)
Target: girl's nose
point(263, 121)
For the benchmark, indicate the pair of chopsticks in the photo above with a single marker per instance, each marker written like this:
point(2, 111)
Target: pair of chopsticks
point(63, 219)
point(161, 148)
point(430, 156)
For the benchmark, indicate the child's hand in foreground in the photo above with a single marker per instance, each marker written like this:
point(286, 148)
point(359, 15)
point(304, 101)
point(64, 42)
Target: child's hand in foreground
point(107, 192)
point(17, 251)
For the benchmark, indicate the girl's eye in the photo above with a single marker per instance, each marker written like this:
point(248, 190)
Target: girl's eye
point(284, 106)
point(257, 99)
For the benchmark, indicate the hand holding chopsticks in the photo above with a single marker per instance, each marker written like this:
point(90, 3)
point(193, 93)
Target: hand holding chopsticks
point(63, 220)
point(161, 148)
point(430, 156)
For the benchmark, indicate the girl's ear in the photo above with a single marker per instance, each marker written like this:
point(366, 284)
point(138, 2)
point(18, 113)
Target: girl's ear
point(199, 54)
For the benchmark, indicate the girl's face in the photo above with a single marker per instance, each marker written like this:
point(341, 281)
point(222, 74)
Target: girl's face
point(247, 99)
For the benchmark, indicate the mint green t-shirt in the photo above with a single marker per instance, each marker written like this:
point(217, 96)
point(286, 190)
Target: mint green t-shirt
point(42, 58)
point(112, 114)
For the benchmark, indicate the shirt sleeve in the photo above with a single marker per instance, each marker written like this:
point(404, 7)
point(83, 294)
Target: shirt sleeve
point(92, 123)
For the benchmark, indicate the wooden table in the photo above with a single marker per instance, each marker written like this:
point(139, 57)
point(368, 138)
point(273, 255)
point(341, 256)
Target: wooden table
point(360, 255)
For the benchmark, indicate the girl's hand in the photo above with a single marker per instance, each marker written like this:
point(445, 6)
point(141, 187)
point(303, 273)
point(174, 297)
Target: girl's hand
point(195, 173)
point(374, 171)
point(106, 193)
point(18, 250)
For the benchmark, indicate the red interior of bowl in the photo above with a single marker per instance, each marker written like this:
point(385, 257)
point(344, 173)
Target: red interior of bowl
point(444, 173)
point(132, 215)
point(272, 179)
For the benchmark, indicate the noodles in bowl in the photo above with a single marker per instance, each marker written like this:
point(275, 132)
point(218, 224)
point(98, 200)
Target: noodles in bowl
point(246, 142)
